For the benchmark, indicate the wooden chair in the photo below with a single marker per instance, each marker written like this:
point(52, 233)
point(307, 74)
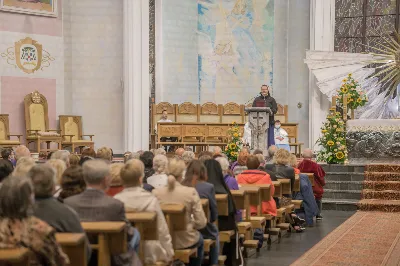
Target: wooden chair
point(282, 113)
point(186, 112)
point(232, 112)
point(156, 113)
point(211, 113)
point(37, 123)
point(71, 132)
point(74, 245)
point(111, 238)
point(175, 214)
point(292, 130)
point(146, 224)
point(14, 257)
point(5, 136)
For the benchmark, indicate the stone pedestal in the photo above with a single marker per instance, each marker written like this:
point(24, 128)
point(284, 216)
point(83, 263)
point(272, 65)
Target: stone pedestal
point(259, 123)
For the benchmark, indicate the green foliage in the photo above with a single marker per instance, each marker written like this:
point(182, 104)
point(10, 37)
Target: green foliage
point(333, 140)
point(356, 97)
point(235, 142)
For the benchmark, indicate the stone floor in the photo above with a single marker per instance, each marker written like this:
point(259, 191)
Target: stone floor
point(293, 245)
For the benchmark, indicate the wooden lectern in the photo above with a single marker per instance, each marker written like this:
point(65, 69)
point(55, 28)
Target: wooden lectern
point(259, 124)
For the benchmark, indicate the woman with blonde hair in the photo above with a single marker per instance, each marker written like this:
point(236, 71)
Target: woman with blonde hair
point(282, 170)
point(116, 182)
point(241, 162)
point(293, 163)
point(24, 164)
point(59, 166)
point(188, 196)
point(74, 159)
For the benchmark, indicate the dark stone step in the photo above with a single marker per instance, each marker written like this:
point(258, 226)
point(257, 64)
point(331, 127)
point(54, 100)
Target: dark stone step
point(342, 194)
point(344, 176)
point(353, 168)
point(344, 185)
point(338, 205)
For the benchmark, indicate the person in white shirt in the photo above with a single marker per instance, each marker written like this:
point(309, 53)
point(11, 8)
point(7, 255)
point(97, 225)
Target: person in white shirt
point(164, 119)
point(281, 137)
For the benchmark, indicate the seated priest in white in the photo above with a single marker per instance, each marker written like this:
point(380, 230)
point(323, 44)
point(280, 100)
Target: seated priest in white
point(164, 119)
point(281, 137)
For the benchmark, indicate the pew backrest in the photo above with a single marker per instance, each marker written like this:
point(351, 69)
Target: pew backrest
point(74, 245)
point(222, 204)
point(15, 256)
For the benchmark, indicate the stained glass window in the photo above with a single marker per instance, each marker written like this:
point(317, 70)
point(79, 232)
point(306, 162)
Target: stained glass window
point(360, 22)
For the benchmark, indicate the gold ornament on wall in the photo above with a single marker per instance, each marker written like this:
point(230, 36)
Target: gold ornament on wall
point(28, 55)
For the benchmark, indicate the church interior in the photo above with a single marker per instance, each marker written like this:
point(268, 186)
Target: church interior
point(201, 132)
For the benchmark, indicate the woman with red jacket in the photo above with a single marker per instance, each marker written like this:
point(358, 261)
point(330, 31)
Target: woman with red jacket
point(255, 176)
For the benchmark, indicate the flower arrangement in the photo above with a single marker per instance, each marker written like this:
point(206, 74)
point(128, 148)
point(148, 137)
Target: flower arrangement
point(356, 97)
point(235, 142)
point(333, 139)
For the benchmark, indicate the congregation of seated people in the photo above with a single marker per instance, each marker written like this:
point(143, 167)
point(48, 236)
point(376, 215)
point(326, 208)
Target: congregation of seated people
point(38, 200)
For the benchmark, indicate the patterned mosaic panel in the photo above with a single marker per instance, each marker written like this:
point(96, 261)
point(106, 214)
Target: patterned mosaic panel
point(359, 21)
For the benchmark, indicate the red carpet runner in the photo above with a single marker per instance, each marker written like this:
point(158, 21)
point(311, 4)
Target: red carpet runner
point(366, 238)
point(372, 235)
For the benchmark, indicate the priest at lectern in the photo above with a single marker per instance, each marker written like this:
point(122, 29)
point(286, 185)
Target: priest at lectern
point(266, 100)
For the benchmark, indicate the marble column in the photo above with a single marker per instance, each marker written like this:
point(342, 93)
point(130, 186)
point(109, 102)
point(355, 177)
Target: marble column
point(322, 32)
point(136, 75)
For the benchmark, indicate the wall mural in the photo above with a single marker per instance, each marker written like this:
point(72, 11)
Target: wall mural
point(35, 7)
point(235, 40)
point(28, 55)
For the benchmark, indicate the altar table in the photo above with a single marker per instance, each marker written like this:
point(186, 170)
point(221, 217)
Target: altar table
point(373, 140)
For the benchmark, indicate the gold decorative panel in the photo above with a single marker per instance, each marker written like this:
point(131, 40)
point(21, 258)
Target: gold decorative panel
point(170, 130)
point(187, 108)
point(209, 109)
point(194, 131)
point(231, 109)
point(218, 131)
point(164, 106)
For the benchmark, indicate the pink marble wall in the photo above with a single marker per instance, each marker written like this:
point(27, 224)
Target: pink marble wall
point(13, 91)
point(17, 22)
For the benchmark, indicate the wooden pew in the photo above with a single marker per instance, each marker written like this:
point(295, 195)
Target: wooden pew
point(208, 243)
point(223, 210)
point(146, 224)
point(206, 208)
point(254, 199)
point(241, 201)
point(112, 239)
point(175, 214)
point(296, 184)
point(14, 257)
point(74, 245)
point(278, 189)
point(311, 177)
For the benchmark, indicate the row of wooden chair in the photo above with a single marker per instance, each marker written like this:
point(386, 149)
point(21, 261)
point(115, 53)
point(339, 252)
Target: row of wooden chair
point(111, 236)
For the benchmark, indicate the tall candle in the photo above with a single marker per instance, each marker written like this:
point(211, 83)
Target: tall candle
point(334, 101)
